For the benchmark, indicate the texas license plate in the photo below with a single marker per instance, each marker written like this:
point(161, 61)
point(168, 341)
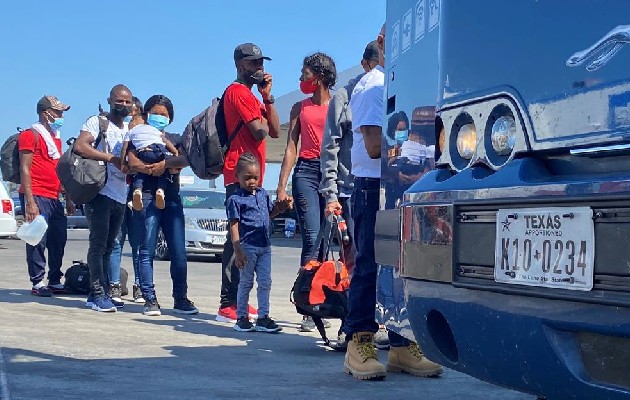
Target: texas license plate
point(552, 247)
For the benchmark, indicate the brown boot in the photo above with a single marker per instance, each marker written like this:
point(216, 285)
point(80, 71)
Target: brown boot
point(361, 360)
point(410, 359)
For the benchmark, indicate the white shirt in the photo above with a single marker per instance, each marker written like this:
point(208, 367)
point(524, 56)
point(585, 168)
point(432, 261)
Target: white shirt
point(116, 186)
point(366, 104)
point(414, 151)
point(142, 136)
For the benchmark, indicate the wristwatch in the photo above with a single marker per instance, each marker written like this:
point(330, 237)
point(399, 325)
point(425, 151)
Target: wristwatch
point(270, 100)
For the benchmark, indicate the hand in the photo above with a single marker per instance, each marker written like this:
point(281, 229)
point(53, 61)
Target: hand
point(31, 211)
point(157, 169)
point(290, 202)
point(332, 208)
point(265, 92)
point(281, 195)
point(239, 258)
point(70, 207)
point(116, 162)
point(124, 168)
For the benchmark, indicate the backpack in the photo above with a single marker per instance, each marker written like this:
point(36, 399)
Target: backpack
point(77, 279)
point(321, 287)
point(205, 141)
point(83, 178)
point(10, 157)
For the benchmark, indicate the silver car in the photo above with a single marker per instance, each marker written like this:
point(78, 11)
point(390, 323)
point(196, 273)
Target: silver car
point(205, 223)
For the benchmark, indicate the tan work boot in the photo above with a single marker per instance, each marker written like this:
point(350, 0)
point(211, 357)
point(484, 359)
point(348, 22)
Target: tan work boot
point(361, 360)
point(410, 359)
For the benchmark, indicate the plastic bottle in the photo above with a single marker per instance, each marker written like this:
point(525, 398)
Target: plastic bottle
point(289, 227)
point(33, 232)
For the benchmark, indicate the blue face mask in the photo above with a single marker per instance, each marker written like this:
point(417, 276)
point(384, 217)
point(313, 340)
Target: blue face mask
point(127, 119)
point(402, 136)
point(158, 121)
point(56, 124)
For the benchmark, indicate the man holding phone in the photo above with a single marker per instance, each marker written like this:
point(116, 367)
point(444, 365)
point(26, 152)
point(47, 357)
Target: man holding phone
point(251, 121)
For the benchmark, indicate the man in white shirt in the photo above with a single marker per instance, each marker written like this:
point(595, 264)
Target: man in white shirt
point(105, 213)
point(360, 324)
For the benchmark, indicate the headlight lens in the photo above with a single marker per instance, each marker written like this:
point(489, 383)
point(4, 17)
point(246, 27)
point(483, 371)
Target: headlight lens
point(190, 223)
point(503, 135)
point(467, 141)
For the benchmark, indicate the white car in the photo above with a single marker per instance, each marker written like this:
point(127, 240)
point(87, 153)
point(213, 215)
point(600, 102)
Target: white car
point(205, 223)
point(8, 225)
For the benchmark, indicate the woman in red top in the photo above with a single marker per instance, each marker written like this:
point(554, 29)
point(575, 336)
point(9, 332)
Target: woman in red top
point(306, 127)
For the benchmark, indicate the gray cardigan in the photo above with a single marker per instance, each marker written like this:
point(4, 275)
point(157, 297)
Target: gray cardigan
point(336, 144)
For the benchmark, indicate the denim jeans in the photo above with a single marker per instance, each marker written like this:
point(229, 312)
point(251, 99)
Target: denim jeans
point(230, 275)
point(54, 240)
point(259, 262)
point(362, 293)
point(115, 259)
point(145, 225)
point(309, 206)
point(349, 250)
point(155, 155)
point(104, 217)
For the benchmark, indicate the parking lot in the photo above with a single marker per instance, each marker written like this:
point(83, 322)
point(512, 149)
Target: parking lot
point(56, 348)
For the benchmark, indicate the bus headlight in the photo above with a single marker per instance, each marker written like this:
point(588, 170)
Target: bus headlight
point(467, 141)
point(503, 135)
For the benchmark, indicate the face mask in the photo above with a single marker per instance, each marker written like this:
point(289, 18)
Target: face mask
point(401, 136)
point(158, 121)
point(127, 119)
point(308, 87)
point(56, 124)
point(256, 78)
point(120, 110)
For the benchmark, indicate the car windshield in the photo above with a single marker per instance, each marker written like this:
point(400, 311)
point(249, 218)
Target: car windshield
point(203, 199)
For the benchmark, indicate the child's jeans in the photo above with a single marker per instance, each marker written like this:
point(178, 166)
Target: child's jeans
point(152, 154)
point(258, 261)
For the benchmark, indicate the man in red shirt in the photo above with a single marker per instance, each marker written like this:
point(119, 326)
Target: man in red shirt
point(252, 121)
point(40, 149)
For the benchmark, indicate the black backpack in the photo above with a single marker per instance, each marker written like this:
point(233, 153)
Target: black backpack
point(10, 157)
point(77, 278)
point(83, 178)
point(205, 141)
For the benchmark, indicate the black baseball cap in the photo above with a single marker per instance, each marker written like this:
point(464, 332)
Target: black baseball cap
point(248, 51)
point(371, 51)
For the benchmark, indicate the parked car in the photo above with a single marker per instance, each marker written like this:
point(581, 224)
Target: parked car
point(8, 225)
point(206, 224)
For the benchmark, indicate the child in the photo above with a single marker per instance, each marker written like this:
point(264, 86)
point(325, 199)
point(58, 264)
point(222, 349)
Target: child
point(151, 147)
point(250, 211)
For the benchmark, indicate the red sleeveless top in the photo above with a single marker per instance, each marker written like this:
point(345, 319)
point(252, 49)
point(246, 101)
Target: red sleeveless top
point(312, 121)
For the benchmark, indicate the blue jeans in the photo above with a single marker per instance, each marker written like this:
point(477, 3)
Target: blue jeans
point(309, 205)
point(54, 240)
point(151, 155)
point(259, 262)
point(116, 258)
point(145, 225)
point(104, 217)
point(362, 293)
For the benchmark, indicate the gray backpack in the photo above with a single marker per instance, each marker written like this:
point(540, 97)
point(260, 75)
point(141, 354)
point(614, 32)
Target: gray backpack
point(10, 157)
point(205, 141)
point(82, 178)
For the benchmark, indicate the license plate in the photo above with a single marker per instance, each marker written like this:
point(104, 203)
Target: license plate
point(216, 239)
point(550, 247)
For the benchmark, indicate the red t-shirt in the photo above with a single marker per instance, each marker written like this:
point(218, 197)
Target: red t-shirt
point(44, 180)
point(240, 104)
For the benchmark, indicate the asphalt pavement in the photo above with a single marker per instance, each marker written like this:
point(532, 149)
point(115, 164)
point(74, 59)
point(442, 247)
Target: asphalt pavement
point(56, 348)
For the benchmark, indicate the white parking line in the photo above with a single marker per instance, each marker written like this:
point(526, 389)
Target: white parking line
point(4, 383)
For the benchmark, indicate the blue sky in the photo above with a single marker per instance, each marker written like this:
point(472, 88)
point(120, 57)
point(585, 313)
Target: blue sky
point(77, 50)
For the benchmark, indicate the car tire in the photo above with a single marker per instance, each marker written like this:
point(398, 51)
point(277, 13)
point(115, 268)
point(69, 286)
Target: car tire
point(161, 250)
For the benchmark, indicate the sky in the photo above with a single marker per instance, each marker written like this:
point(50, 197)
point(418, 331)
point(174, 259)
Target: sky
point(77, 50)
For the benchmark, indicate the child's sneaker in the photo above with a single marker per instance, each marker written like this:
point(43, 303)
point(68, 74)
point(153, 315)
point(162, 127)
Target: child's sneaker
point(243, 324)
point(160, 202)
point(136, 200)
point(266, 324)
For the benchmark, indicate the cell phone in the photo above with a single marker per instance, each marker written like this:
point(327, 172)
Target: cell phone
point(263, 84)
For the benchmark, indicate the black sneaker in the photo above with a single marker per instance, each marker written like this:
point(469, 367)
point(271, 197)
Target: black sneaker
point(43, 291)
point(185, 306)
point(137, 294)
point(115, 292)
point(151, 308)
point(243, 324)
point(266, 324)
